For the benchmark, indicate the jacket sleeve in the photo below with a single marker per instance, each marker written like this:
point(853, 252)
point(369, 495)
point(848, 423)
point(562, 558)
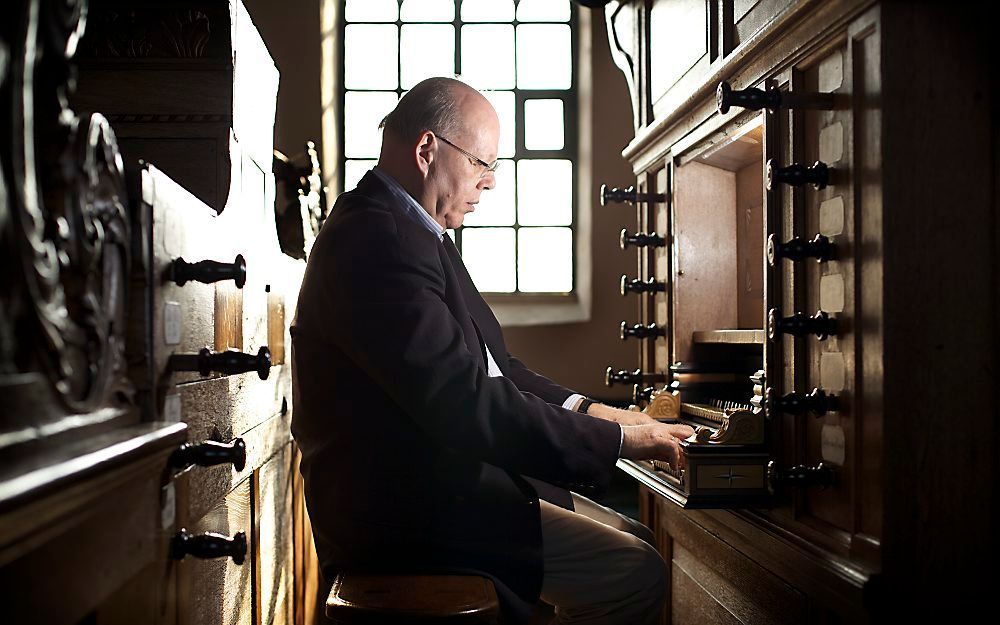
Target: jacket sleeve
point(535, 383)
point(381, 297)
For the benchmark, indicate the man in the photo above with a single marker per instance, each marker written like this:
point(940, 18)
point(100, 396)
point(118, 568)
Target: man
point(425, 445)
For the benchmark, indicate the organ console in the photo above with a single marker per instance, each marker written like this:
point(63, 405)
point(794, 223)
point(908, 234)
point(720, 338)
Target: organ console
point(829, 102)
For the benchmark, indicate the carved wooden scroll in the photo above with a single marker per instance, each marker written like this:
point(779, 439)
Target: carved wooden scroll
point(65, 227)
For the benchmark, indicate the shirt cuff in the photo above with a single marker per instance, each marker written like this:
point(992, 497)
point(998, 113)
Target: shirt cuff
point(571, 401)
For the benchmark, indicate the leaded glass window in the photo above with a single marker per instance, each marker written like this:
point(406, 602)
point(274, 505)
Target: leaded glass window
point(522, 55)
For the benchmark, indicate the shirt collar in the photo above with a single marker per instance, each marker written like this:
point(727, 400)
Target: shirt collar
point(413, 208)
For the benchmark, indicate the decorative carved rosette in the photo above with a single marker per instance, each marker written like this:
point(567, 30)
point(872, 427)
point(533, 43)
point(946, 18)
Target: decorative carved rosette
point(67, 227)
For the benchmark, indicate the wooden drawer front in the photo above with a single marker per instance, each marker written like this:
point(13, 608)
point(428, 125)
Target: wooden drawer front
point(218, 591)
point(711, 582)
point(189, 317)
point(274, 526)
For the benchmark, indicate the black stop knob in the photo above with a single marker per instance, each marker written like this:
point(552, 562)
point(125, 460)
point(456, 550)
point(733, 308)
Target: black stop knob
point(208, 545)
point(229, 362)
point(628, 195)
point(817, 174)
point(640, 239)
point(820, 324)
point(798, 248)
point(753, 99)
point(640, 331)
point(210, 453)
point(638, 286)
point(612, 377)
point(800, 476)
point(816, 402)
point(209, 271)
point(640, 394)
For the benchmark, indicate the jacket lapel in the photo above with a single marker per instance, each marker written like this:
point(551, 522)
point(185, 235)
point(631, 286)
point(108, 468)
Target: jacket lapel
point(485, 322)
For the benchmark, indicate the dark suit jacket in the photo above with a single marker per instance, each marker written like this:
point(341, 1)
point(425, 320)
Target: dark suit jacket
point(412, 455)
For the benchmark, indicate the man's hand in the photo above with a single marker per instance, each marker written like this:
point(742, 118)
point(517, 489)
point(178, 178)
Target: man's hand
point(655, 441)
point(621, 417)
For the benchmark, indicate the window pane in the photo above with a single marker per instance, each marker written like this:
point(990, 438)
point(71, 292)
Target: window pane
point(545, 192)
point(543, 57)
point(488, 10)
point(371, 11)
point(496, 206)
point(354, 171)
point(489, 255)
point(543, 11)
point(362, 113)
point(426, 50)
point(488, 56)
point(503, 102)
point(370, 56)
point(543, 124)
point(545, 259)
point(427, 11)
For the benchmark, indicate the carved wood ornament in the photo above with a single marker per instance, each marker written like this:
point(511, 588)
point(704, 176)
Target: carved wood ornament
point(63, 216)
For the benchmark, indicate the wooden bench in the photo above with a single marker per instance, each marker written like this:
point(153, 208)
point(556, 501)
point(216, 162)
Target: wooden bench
point(418, 599)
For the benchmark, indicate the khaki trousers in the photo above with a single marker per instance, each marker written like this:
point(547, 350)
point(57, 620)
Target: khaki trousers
point(600, 567)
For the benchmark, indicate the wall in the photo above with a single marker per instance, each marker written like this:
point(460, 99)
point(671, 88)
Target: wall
point(291, 31)
point(576, 354)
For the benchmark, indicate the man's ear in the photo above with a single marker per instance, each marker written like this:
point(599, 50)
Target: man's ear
point(425, 151)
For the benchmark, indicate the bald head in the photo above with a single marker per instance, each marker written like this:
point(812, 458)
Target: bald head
point(440, 105)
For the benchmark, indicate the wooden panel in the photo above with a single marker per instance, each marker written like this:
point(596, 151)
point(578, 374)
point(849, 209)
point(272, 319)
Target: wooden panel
point(727, 581)
point(704, 253)
point(750, 243)
point(219, 591)
point(660, 223)
point(309, 585)
point(750, 16)
point(183, 316)
point(274, 524)
point(830, 287)
point(201, 487)
point(74, 572)
point(678, 40)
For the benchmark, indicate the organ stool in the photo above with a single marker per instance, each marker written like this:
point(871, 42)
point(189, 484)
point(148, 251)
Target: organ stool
point(418, 599)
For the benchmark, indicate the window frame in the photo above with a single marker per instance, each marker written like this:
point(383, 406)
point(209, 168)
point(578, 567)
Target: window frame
point(519, 307)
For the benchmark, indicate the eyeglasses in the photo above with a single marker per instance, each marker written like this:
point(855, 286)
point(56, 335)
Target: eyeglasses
point(488, 167)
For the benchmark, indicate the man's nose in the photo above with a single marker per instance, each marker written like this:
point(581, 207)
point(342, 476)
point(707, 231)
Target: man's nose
point(488, 181)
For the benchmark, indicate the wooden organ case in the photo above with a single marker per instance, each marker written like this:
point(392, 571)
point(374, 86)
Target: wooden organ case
point(148, 472)
point(783, 206)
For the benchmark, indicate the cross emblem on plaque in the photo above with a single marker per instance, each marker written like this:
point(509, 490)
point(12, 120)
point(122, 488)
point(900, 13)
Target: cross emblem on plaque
point(730, 476)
